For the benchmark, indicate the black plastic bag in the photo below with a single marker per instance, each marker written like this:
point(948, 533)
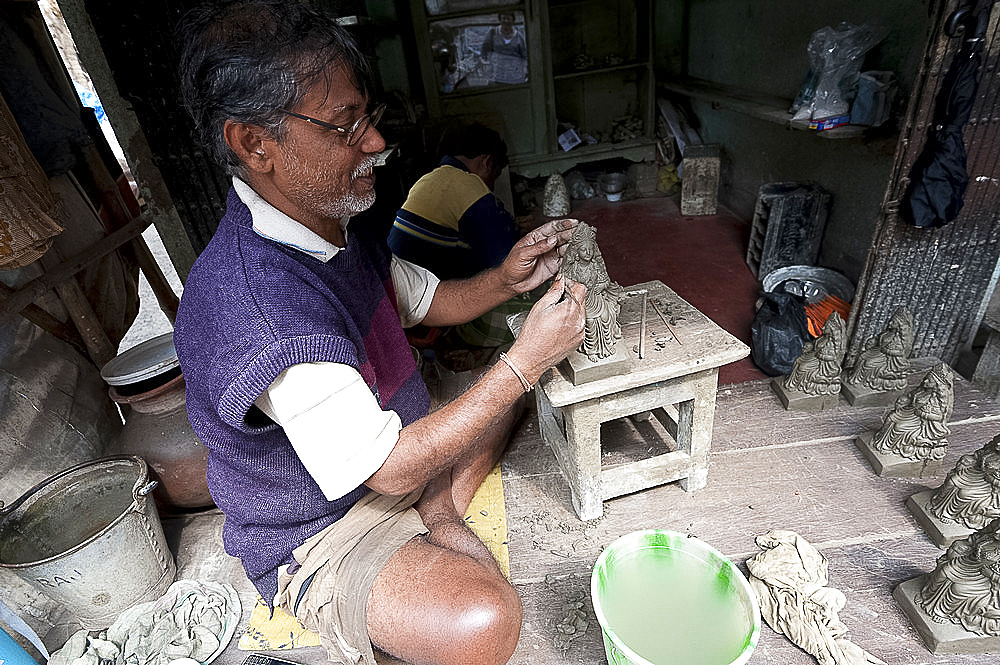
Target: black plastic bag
point(778, 333)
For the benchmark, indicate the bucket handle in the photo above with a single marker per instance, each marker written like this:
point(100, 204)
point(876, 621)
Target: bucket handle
point(143, 485)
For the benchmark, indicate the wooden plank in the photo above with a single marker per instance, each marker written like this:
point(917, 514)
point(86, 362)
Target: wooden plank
point(825, 490)
point(49, 323)
point(749, 415)
point(82, 314)
point(776, 469)
point(705, 347)
point(12, 305)
point(635, 476)
point(755, 104)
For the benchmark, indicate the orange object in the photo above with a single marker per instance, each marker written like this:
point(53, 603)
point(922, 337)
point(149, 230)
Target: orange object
point(818, 312)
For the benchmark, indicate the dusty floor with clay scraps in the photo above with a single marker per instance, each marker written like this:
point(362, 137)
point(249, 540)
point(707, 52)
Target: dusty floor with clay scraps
point(770, 469)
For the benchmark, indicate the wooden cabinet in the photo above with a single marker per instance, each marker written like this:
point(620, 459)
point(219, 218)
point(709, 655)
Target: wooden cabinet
point(587, 64)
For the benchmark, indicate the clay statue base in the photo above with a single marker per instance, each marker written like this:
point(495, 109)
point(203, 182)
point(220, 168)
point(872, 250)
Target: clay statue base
point(940, 533)
point(861, 396)
point(793, 400)
point(940, 638)
point(579, 369)
point(888, 465)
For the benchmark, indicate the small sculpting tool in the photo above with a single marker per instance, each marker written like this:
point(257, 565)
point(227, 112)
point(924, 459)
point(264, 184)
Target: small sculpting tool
point(667, 323)
point(642, 328)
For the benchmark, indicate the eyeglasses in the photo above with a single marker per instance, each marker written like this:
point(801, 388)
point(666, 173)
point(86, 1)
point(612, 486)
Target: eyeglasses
point(352, 134)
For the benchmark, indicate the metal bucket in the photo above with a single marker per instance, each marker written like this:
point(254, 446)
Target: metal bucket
point(89, 537)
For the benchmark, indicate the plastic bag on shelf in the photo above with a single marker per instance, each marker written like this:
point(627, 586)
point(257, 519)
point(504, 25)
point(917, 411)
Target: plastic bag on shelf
point(876, 93)
point(835, 58)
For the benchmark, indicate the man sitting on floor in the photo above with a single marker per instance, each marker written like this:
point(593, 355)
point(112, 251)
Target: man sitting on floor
point(343, 496)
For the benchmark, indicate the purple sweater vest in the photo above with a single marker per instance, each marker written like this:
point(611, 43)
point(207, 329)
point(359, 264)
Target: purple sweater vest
point(251, 308)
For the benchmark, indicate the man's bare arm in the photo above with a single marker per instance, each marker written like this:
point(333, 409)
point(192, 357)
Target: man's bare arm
point(533, 259)
point(432, 444)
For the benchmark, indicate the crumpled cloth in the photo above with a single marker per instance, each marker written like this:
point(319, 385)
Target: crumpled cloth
point(790, 578)
point(191, 624)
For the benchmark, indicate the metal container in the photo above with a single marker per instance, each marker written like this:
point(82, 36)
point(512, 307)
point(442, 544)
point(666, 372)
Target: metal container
point(146, 381)
point(810, 282)
point(157, 429)
point(90, 538)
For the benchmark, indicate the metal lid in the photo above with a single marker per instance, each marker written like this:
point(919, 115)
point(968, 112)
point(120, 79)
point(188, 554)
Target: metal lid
point(143, 361)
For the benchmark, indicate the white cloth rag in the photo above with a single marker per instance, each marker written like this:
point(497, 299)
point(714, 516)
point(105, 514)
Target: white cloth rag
point(790, 578)
point(191, 624)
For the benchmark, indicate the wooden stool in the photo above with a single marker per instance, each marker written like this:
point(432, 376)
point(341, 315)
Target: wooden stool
point(676, 382)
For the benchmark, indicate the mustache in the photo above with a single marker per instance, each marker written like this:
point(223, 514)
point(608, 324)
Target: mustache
point(366, 166)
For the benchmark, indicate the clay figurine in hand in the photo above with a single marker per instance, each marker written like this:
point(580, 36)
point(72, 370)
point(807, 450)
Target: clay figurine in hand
point(817, 369)
point(583, 263)
point(917, 426)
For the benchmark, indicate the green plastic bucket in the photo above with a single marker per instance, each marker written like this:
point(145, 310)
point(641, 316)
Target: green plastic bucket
point(662, 597)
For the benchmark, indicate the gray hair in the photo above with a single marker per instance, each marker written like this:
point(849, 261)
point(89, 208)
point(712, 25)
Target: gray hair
point(244, 60)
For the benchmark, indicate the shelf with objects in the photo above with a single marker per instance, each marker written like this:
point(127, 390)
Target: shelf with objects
point(770, 108)
point(601, 88)
point(534, 69)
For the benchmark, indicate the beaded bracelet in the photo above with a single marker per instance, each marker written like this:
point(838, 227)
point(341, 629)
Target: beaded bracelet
point(520, 377)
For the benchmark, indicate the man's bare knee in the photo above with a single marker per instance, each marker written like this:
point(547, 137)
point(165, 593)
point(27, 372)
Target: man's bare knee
point(488, 628)
point(435, 605)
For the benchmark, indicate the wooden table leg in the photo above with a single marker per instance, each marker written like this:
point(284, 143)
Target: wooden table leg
point(700, 413)
point(577, 450)
point(583, 452)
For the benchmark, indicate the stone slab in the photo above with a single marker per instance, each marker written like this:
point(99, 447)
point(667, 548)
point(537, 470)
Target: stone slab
point(894, 466)
point(862, 396)
point(940, 533)
point(581, 369)
point(940, 638)
point(700, 185)
point(793, 400)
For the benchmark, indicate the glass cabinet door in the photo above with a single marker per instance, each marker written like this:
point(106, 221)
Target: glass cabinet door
point(479, 50)
point(438, 7)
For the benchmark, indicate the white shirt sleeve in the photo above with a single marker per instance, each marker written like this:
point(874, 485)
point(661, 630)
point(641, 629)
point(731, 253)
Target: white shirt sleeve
point(334, 423)
point(415, 288)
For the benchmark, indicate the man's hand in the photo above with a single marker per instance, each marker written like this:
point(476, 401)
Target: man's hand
point(536, 257)
point(552, 329)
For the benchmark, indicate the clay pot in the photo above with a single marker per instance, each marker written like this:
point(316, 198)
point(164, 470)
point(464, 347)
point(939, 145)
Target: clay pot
point(157, 430)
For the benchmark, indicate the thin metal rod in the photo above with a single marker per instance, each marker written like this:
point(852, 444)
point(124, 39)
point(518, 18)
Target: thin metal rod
point(667, 323)
point(642, 328)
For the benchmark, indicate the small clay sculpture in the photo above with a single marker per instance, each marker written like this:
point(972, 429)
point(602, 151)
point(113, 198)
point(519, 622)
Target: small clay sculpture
point(790, 578)
point(884, 363)
point(970, 494)
point(817, 369)
point(555, 198)
point(583, 263)
point(965, 586)
point(917, 426)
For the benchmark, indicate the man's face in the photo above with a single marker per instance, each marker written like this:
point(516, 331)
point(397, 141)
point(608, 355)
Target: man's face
point(320, 176)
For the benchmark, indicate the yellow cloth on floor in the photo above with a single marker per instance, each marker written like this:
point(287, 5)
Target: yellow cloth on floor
point(487, 517)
